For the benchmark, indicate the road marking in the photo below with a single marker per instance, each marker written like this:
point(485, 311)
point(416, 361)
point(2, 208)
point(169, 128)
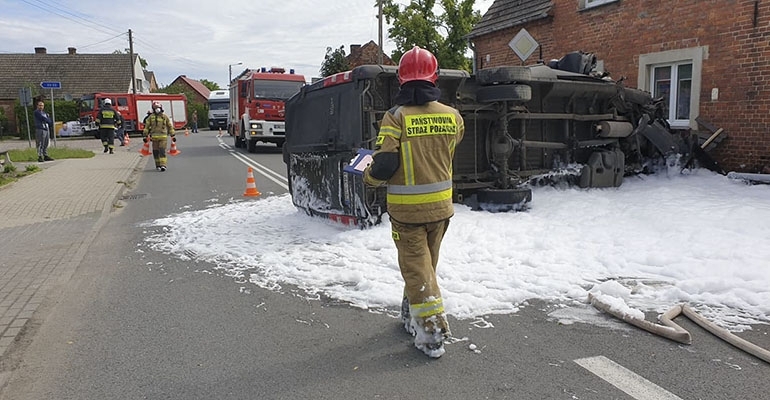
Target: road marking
point(625, 380)
point(261, 169)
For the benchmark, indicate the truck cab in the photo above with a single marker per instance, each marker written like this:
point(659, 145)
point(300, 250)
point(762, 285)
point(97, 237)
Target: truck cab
point(258, 98)
point(219, 109)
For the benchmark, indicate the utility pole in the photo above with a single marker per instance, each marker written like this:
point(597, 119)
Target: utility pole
point(131, 55)
point(379, 16)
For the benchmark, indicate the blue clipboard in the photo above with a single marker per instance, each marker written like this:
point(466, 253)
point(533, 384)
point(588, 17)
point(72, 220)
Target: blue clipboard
point(362, 160)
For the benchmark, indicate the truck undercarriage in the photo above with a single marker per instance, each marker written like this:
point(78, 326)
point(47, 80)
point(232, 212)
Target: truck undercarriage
point(525, 126)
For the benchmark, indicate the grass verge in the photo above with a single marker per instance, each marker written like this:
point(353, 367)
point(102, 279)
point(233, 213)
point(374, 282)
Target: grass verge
point(11, 173)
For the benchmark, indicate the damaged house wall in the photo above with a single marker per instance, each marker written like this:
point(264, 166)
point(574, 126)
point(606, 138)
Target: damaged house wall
point(718, 50)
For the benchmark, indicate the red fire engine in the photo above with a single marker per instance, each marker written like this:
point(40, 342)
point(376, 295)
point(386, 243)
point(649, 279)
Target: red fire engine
point(133, 108)
point(257, 105)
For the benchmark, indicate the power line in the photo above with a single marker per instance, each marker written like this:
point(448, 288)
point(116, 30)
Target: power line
point(52, 7)
point(103, 41)
point(79, 16)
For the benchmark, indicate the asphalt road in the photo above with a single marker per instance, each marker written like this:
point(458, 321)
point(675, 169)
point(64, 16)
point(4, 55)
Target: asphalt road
point(136, 324)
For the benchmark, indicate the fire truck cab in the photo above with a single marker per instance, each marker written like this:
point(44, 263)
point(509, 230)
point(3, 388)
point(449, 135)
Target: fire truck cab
point(257, 106)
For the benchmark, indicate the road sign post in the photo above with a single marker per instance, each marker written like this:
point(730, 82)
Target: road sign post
point(25, 98)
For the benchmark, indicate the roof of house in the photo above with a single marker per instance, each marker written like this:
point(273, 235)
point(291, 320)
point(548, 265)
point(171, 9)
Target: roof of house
point(195, 85)
point(504, 14)
point(79, 74)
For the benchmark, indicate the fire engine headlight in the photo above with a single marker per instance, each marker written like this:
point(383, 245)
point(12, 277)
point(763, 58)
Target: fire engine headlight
point(256, 126)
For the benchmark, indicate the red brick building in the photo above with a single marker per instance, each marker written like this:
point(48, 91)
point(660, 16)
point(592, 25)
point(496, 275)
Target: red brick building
point(369, 53)
point(710, 58)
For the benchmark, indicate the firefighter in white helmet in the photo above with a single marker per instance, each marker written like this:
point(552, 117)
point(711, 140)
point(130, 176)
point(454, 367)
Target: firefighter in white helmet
point(413, 156)
point(158, 127)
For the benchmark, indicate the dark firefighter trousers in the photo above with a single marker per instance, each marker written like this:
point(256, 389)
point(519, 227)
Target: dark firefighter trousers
point(107, 136)
point(159, 150)
point(418, 248)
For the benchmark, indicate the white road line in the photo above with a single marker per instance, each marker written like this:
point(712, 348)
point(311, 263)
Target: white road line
point(625, 380)
point(261, 169)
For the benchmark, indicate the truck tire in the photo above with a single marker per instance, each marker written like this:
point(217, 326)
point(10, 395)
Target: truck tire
point(237, 141)
point(491, 94)
point(251, 146)
point(503, 75)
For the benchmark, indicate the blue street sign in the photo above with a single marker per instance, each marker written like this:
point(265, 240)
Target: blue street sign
point(50, 85)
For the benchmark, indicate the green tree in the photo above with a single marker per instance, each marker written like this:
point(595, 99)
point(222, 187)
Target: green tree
point(142, 61)
point(334, 62)
point(416, 24)
point(209, 84)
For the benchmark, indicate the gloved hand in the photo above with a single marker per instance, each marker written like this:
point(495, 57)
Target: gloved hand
point(146, 139)
point(173, 138)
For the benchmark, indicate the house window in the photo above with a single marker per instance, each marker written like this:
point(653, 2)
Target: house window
point(139, 86)
point(584, 4)
point(674, 84)
point(675, 76)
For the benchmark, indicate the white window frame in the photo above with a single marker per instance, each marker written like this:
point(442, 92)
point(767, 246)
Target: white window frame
point(674, 58)
point(584, 4)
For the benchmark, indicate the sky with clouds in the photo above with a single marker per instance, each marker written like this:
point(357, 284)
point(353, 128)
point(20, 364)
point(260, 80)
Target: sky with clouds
point(197, 38)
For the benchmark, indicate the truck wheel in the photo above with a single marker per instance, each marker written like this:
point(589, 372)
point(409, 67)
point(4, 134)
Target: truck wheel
point(251, 146)
point(237, 141)
point(491, 76)
point(490, 94)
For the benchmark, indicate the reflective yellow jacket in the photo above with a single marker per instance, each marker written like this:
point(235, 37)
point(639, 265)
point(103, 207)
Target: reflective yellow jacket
point(158, 126)
point(424, 137)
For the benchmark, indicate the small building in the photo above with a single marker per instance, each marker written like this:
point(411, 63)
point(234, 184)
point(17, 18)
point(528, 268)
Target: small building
point(200, 93)
point(709, 60)
point(78, 74)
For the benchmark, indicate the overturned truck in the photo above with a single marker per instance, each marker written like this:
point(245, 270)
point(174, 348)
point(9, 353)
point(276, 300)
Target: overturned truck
point(525, 126)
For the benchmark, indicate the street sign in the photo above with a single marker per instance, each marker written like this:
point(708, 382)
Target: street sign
point(25, 96)
point(50, 85)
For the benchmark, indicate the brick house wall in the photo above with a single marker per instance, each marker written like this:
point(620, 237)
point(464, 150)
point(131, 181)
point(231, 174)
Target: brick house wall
point(733, 37)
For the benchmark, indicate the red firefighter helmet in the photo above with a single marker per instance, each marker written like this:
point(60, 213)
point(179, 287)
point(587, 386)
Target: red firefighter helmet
point(417, 65)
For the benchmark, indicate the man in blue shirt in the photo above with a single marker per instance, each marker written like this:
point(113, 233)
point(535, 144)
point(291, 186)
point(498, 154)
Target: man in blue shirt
point(43, 127)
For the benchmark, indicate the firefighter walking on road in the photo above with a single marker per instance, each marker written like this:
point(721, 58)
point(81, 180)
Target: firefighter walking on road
point(158, 127)
point(107, 119)
point(413, 156)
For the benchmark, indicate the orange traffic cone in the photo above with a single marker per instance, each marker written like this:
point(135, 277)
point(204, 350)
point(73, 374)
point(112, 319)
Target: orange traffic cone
point(174, 151)
point(251, 185)
point(187, 131)
point(145, 150)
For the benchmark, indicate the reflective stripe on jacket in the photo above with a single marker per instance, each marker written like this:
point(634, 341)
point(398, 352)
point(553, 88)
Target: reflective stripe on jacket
point(425, 137)
point(158, 125)
point(106, 118)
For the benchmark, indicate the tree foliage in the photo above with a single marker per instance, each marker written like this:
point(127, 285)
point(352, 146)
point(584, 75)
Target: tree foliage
point(334, 61)
point(416, 24)
point(209, 84)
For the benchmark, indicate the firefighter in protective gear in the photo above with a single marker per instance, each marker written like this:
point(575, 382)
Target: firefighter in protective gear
point(107, 120)
point(158, 127)
point(413, 156)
